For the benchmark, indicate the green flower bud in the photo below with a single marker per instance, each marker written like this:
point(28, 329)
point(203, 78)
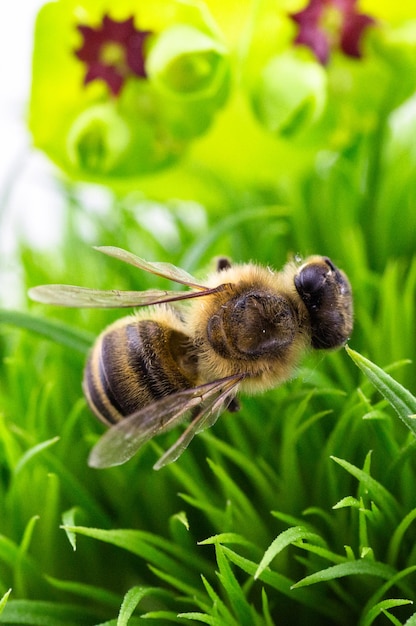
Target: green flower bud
point(187, 63)
point(95, 110)
point(291, 93)
point(97, 139)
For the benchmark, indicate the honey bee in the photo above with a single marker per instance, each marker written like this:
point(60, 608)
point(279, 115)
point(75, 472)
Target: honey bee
point(244, 329)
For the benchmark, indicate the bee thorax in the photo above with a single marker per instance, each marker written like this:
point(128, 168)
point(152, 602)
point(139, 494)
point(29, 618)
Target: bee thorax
point(251, 326)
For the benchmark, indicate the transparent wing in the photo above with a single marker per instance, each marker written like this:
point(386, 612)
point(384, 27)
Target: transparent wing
point(166, 270)
point(123, 439)
point(204, 419)
point(72, 296)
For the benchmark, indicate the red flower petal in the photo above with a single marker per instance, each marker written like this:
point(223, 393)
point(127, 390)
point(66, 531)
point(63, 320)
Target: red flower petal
point(352, 33)
point(320, 31)
point(316, 40)
point(108, 74)
point(117, 31)
point(112, 52)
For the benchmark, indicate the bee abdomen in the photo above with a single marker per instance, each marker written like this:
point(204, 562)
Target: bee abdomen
point(134, 364)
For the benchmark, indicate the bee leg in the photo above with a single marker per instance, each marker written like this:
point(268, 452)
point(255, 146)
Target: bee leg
point(223, 263)
point(234, 406)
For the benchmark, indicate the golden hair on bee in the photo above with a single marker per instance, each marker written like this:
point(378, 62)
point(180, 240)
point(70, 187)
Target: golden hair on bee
point(254, 327)
point(188, 353)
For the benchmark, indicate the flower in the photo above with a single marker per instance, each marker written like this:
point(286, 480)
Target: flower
point(290, 94)
point(112, 52)
point(329, 24)
point(122, 91)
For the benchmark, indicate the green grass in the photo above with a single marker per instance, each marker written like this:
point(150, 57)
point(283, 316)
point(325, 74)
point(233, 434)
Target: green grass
point(300, 509)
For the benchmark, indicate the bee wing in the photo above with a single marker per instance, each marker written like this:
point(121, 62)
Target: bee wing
point(72, 296)
point(204, 419)
point(123, 439)
point(166, 270)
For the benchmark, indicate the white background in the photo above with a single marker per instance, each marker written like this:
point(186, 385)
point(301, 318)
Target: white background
point(27, 195)
point(30, 204)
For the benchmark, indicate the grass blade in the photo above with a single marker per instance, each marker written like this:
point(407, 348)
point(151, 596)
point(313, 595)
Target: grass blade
point(151, 548)
point(350, 568)
point(381, 608)
point(398, 396)
point(168, 616)
point(287, 537)
point(44, 613)
point(377, 491)
point(238, 601)
point(284, 585)
point(130, 602)
point(96, 595)
point(32, 452)
point(3, 600)
point(56, 331)
point(202, 617)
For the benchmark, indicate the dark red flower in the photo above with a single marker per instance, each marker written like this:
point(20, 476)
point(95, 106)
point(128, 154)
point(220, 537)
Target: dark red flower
point(325, 25)
point(112, 52)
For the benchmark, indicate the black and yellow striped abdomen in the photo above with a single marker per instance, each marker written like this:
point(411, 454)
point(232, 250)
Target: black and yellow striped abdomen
point(136, 361)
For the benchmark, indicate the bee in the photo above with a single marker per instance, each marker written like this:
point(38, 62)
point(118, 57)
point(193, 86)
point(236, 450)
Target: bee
point(188, 353)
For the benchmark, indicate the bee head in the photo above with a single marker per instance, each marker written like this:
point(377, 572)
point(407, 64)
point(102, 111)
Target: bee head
point(326, 293)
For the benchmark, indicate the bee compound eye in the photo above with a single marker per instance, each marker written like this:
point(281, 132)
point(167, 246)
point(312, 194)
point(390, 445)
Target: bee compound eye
point(310, 279)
